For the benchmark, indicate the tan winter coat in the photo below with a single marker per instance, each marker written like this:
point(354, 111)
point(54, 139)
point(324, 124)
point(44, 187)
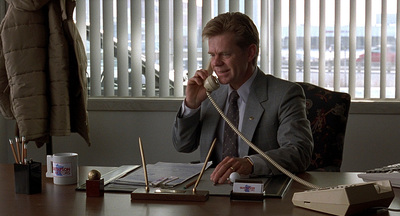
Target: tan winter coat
point(42, 71)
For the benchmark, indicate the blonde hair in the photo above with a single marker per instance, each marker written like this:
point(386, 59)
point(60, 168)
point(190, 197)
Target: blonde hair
point(234, 22)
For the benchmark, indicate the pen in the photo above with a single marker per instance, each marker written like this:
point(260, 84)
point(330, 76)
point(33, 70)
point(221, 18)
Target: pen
point(156, 183)
point(170, 179)
point(13, 151)
point(18, 151)
point(190, 184)
point(24, 152)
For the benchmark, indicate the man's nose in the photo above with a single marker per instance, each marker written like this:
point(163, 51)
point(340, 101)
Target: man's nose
point(218, 60)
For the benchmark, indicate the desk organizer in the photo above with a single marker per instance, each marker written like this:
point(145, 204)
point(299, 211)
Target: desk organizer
point(95, 188)
point(28, 178)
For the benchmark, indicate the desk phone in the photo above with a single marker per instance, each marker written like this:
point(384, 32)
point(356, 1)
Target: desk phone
point(346, 199)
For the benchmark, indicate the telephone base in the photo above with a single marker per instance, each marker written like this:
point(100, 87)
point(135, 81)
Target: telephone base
point(346, 199)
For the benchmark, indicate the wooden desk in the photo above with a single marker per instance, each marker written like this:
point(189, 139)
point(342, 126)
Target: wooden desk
point(64, 200)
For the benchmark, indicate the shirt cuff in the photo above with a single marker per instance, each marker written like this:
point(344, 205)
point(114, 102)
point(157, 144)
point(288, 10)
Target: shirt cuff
point(251, 162)
point(185, 111)
point(260, 166)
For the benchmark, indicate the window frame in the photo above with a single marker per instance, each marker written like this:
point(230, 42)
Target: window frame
point(172, 104)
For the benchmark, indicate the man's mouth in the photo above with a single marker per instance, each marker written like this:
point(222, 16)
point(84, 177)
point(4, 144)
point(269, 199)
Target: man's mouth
point(221, 72)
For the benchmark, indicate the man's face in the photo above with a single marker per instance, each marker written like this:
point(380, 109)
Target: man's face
point(231, 64)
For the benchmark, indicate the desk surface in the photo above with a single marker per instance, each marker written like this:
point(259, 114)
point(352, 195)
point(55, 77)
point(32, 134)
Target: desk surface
point(64, 200)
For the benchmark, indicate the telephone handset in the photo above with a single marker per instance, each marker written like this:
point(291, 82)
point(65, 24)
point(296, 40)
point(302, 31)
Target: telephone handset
point(211, 83)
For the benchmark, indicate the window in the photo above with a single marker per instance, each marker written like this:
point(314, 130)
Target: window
point(139, 48)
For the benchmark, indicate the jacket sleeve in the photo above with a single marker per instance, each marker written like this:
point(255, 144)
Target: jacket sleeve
point(5, 104)
point(293, 136)
point(186, 132)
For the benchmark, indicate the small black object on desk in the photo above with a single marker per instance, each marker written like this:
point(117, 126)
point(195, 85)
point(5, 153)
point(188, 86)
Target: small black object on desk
point(28, 178)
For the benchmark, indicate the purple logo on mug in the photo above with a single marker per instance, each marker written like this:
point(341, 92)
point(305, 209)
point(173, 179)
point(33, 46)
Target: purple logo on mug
point(62, 169)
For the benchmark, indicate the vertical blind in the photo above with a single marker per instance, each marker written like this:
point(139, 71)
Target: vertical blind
point(139, 48)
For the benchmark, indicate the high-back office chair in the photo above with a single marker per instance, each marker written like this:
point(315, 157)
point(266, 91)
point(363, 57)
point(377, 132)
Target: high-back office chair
point(327, 112)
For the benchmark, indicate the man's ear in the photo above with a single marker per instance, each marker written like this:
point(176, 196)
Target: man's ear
point(251, 52)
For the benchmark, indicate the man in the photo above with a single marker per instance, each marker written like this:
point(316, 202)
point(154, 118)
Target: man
point(271, 111)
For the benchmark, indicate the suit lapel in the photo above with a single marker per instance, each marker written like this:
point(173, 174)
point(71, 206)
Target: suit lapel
point(254, 110)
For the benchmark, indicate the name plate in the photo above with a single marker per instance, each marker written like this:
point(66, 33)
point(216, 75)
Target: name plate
point(248, 187)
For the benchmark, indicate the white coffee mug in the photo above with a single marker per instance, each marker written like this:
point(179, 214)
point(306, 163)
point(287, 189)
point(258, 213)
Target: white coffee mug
point(63, 168)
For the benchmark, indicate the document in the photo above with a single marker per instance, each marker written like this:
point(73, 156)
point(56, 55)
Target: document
point(162, 173)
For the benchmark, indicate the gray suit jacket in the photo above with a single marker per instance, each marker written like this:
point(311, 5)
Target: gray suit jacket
point(274, 120)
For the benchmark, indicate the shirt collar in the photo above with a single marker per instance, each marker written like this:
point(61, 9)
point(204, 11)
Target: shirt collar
point(244, 90)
